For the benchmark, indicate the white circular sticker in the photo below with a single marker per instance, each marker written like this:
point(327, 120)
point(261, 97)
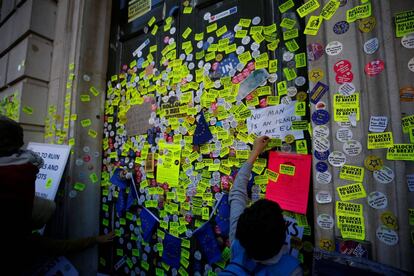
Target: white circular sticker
point(325, 221)
point(386, 235)
point(344, 134)
point(337, 158)
point(377, 200)
point(371, 46)
point(352, 147)
point(411, 65)
point(256, 20)
point(323, 177)
point(321, 144)
point(408, 41)
point(323, 197)
point(321, 131)
point(347, 88)
point(344, 124)
point(384, 175)
point(334, 48)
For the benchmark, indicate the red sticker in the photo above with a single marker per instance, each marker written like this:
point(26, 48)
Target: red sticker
point(343, 78)
point(374, 67)
point(342, 66)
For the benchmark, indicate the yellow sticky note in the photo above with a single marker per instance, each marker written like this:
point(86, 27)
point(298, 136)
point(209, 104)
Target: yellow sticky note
point(85, 98)
point(313, 26)
point(308, 7)
point(73, 117)
point(188, 10)
point(380, 140)
point(330, 9)
point(344, 106)
point(151, 21)
point(403, 152)
point(273, 176)
point(211, 28)
point(352, 191)
point(286, 6)
point(353, 173)
point(187, 32)
point(287, 169)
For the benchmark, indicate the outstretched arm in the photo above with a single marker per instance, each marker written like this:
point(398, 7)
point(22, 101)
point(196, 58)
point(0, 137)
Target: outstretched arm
point(238, 194)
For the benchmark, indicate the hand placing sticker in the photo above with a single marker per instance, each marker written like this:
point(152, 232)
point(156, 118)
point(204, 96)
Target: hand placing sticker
point(259, 145)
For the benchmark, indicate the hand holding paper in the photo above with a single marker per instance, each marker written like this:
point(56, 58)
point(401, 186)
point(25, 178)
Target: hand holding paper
point(259, 145)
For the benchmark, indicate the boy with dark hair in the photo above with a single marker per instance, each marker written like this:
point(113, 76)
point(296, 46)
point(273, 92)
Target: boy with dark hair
point(257, 233)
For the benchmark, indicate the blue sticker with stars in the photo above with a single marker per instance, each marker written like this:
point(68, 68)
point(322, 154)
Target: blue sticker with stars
point(227, 64)
point(341, 27)
point(320, 117)
point(321, 167)
point(321, 155)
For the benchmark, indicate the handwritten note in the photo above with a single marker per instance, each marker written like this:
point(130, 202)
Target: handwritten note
point(274, 121)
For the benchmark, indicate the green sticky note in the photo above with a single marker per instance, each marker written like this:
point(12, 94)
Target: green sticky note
point(93, 177)
point(48, 183)
point(79, 186)
point(28, 110)
point(151, 21)
point(94, 91)
point(86, 122)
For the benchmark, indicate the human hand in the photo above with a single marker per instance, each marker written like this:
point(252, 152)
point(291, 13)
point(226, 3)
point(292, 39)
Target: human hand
point(106, 238)
point(259, 145)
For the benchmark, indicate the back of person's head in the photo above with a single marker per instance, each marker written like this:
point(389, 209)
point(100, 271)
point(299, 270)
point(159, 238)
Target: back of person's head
point(11, 136)
point(261, 230)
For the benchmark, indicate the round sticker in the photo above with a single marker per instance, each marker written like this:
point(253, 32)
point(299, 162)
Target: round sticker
point(348, 88)
point(321, 131)
point(320, 105)
point(301, 96)
point(256, 20)
point(316, 75)
point(344, 124)
point(371, 46)
point(377, 200)
point(334, 48)
point(342, 66)
point(325, 221)
point(384, 175)
point(389, 220)
point(344, 134)
point(321, 144)
point(337, 158)
point(320, 117)
point(300, 81)
point(290, 138)
point(323, 178)
point(344, 78)
point(327, 245)
point(373, 163)
point(366, 25)
point(315, 51)
point(374, 67)
point(352, 148)
point(387, 236)
point(411, 65)
point(321, 166)
point(323, 197)
point(408, 41)
point(341, 27)
point(321, 155)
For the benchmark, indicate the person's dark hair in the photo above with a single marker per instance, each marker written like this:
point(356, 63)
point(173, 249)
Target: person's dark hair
point(11, 136)
point(261, 229)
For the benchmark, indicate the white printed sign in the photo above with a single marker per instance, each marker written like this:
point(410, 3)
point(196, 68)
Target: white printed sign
point(378, 123)
point(293, 230)
point(274, 121)
point(48, 178)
